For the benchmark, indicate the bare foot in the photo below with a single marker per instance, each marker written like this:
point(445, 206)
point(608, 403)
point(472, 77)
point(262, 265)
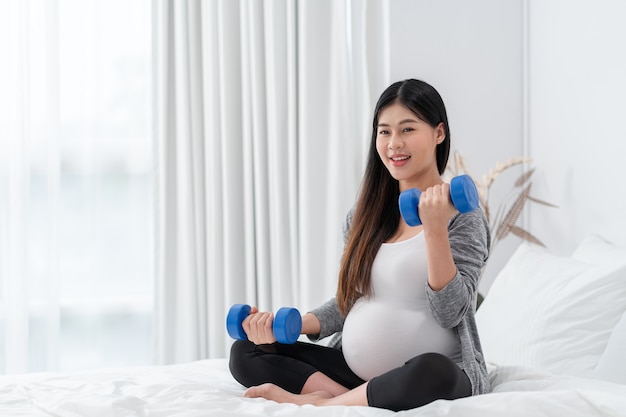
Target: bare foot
point(276, 393)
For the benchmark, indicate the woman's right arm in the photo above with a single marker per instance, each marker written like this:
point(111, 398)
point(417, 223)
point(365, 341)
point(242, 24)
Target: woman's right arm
point(328, 318)
point(310, 324)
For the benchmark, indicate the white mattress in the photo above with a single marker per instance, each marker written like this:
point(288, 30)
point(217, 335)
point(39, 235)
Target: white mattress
point(206, 388)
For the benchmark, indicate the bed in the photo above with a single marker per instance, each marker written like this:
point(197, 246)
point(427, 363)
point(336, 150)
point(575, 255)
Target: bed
point(205, 388)
point(553, 329)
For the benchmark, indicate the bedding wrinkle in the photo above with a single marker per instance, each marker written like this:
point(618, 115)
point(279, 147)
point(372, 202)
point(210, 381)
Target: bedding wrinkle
point(206, 389)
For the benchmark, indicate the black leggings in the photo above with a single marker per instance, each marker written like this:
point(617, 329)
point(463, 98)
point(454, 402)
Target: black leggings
point(419, 381)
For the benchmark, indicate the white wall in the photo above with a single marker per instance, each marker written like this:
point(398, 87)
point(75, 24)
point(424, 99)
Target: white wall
point(541, 77)
point(577, 91)
point(471, 51)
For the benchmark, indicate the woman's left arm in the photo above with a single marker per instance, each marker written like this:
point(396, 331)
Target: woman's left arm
point(451, 294)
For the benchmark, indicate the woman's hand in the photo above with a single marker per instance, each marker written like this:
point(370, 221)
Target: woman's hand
point(260, 331)
point(435, 208)
point(258, 327)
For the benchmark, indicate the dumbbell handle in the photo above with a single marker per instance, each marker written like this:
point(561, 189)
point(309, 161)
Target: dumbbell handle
point(287, 324)
point(463, 194)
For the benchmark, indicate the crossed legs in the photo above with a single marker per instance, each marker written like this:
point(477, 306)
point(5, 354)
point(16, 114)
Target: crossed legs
point(309, 374)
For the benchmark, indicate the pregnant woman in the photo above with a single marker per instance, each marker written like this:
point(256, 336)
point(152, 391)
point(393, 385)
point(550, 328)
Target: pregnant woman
point(402, 321)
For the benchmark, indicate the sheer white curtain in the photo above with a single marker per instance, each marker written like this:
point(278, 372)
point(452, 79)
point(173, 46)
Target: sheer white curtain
point(262, 124)
point(75, 185)
point(28, 113)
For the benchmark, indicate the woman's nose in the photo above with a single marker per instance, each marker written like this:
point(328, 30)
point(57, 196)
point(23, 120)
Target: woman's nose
point(395, 142)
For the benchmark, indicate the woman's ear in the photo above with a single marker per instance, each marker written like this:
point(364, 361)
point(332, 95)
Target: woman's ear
point(440, 133)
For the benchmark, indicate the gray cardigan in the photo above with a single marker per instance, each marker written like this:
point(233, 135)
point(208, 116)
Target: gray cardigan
point(453, 306)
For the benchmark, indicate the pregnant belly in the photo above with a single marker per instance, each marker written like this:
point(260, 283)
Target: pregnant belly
point(379, 336)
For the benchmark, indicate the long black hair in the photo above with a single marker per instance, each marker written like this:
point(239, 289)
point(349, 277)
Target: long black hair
point(376, 216)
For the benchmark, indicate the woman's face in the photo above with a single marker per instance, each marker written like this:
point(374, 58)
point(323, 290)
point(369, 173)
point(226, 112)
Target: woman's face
point(406, 145)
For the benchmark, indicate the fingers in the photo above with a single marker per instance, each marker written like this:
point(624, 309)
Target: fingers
point(437, 196)
point(438, 192)
point(435, 206)
point(258, 327)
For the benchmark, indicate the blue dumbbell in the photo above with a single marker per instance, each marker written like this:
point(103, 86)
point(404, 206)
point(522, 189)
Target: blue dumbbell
point(463, 195)
point(287, 324)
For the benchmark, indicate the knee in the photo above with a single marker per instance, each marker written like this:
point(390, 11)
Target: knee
point(421, 380)
point(241, 353)
point(440, 372)
point(241, 349)
point(429, 362)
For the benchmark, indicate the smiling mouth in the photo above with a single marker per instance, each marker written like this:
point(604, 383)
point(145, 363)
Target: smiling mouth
point(399, 158)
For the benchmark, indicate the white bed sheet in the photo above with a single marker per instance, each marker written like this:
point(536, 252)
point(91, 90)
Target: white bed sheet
point(206, 388)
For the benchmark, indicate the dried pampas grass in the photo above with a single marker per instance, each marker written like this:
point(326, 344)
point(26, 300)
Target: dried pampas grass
point(509, 210)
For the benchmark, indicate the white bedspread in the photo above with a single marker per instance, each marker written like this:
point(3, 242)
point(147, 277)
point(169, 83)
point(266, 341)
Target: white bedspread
point(205, 388)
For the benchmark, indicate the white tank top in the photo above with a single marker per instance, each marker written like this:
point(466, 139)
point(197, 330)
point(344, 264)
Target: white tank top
point(395, 324)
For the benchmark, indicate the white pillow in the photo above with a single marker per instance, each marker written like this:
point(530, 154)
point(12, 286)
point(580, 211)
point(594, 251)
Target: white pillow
point(551, 312)
point(596, 250)
point(612, 364)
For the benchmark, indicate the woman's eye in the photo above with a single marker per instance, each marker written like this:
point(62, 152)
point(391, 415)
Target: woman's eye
point(408, 129)
point(383, 132)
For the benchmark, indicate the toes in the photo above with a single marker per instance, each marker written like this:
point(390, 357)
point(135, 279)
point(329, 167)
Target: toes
point(258, 391)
